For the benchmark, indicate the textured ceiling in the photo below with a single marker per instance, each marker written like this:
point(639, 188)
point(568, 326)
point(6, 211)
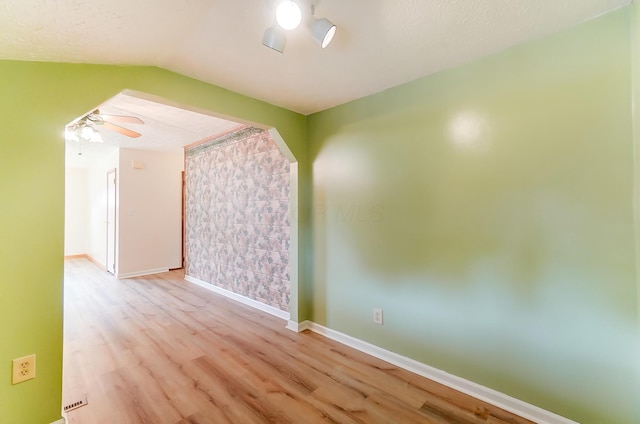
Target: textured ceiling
point(379, 44)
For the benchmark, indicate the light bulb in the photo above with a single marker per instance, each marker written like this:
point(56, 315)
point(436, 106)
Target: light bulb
point(96, 137)
point(70, 135)
point(288, 15)
point(86, 132)
point(329, 36)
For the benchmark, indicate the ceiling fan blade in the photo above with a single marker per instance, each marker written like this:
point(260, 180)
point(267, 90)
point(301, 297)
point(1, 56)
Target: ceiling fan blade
point(122, 119)
point(121, 130)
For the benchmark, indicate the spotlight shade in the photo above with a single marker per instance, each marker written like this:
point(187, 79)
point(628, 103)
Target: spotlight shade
point(323, 31)
point(274, 39)
point(288, 15)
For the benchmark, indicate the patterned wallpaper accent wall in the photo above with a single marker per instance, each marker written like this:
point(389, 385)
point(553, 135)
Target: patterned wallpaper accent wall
point(237, 216)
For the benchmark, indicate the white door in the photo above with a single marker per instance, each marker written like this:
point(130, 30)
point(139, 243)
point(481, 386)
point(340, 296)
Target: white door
point(111, 221)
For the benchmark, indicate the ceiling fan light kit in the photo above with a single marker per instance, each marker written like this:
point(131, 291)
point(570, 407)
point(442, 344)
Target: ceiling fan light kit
point(288, 16)
point(90, 134)
point(85, 129)
point(82, 131)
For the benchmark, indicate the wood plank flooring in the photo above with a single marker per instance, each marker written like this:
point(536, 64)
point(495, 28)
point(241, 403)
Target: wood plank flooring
point(159, 350)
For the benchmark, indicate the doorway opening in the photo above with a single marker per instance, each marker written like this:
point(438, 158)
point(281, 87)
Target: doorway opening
point(138, 174)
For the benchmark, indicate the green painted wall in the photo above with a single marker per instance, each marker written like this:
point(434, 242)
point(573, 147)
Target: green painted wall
point(635, 37)
point(489, 211)
point(36, 101)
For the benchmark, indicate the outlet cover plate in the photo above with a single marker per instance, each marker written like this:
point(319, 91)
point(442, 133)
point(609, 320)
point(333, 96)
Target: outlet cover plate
point(377, 316)
point(24, 369)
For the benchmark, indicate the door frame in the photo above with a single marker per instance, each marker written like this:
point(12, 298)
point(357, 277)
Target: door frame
point(111, 268)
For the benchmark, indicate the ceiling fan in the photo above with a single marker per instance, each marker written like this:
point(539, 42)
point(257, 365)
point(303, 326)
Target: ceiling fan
point(84, 128)
point(108, 122)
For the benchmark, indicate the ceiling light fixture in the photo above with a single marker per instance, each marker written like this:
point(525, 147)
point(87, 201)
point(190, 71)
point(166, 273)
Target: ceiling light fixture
point(83, 131)
point(322, 31)
point(275, 39)
point(70, 134)
point(288, 15)
point(96, 137)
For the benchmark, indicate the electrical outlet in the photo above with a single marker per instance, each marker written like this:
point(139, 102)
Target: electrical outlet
point(377, 316)
point(24, 369)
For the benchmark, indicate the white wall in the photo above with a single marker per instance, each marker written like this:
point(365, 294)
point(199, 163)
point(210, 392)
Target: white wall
point(97, 206)
point(150, 211)
point(76, 201)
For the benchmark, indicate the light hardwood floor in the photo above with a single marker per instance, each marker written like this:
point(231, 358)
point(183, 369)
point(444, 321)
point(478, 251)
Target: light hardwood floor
point(159, 350)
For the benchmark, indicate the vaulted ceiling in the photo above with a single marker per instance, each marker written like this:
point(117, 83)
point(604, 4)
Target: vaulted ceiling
point(379, 43)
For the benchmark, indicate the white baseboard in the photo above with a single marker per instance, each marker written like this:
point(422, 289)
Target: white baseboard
point(60, 421)
point(142, 273)
point(239, 298)
point(76, 256)
point(298, 327)
point(508, 403)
